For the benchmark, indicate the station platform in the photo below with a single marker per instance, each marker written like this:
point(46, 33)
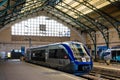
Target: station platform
point(104, 65)
point(112, 69)
point(18, 70)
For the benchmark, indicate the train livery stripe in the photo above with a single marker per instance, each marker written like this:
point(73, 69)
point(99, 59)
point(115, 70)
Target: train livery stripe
point(69, 51)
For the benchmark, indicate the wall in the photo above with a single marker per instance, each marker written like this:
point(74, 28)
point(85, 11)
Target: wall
point(5, 35)
point(113, 39)
point(8, 42)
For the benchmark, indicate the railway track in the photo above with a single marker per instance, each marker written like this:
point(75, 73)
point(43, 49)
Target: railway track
point(100, 76)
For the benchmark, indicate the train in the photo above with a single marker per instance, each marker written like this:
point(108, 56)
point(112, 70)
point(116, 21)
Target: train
point(72, 57)
point(115, 55)
point(112, 54)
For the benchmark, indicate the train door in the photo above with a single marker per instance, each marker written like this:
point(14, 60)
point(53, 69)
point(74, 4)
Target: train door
point(62, 57)
point(57, 56)
point(28, 55)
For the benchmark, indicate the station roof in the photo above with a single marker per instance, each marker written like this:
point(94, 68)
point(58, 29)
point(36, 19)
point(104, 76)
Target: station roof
point(84, 15)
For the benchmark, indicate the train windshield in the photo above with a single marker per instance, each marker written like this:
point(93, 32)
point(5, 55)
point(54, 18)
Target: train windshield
point(79, 52)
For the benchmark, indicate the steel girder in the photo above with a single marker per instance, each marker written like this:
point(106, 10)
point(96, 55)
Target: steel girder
point(53, 2)
point(102, 28)
point(93, 37)
point(117, 23)
point(15, 9)
point(12, 7)
point(8, 5)
point(83, 26)
point(19, 15)
point(5, 13)
point(73, 10)
point(102, 14)
point(111, 1)
point(16, 12)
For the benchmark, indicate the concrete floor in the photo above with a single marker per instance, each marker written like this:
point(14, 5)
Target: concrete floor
point(17, 70)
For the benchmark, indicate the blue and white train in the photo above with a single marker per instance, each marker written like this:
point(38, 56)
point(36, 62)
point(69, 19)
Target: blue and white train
point(112, 54)
point(70, 57)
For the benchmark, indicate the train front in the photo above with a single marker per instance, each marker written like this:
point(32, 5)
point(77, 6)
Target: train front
point(80, 58)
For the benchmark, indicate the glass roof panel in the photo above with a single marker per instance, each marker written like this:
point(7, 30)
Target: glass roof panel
point(64, 10)
point(74, 4)
point(31, 4)
point(67, 1)
point(70, 13)
point(77, 4)
point(61, 8)
point(95, 1)
point(103, 4)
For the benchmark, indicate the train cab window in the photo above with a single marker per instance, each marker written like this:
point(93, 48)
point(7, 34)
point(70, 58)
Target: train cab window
point(79, 51)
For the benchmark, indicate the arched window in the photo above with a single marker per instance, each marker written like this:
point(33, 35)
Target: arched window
point(40, 26)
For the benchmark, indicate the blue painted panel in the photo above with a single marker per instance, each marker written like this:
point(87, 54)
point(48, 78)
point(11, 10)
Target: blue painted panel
point(23, 50)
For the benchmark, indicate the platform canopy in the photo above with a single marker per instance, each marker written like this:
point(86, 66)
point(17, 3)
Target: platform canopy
point(85, 15)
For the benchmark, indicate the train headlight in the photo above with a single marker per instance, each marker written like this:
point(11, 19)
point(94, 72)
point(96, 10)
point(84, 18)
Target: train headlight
point(84, 59)
point(88, 59)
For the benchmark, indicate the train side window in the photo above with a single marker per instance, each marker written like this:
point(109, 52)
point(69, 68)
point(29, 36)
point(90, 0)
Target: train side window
point(38, 55)
point(52, 53)
point(41, 55)
point(33, 54)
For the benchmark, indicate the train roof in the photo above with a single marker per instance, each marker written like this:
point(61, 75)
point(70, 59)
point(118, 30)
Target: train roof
point(115, 49)
point(68, 42)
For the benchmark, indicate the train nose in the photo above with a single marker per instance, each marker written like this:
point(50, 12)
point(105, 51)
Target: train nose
point(84, 68)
